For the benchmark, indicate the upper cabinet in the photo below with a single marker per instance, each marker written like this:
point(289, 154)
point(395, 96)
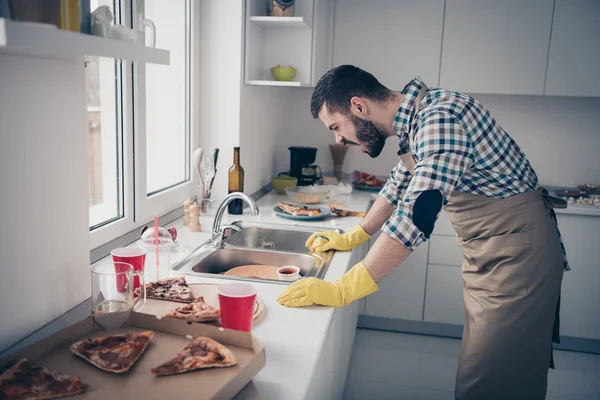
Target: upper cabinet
point(493, 46)
point(395, 40)
point(575, 49)
point(299, 38)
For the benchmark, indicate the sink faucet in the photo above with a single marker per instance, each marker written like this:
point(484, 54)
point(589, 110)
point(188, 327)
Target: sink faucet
point(217, 230)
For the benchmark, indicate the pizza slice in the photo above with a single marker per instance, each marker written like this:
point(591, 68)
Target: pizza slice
point(299, 210)
point(114, 353)
point(171, 289)
point(203, 352)
point(27, 381)
point(197, 311)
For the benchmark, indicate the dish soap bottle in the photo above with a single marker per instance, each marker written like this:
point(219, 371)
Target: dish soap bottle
point(236, 183)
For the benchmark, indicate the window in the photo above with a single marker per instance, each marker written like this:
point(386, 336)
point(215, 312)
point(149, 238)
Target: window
point(139, 123)
point(104, 139)
point(167, 122)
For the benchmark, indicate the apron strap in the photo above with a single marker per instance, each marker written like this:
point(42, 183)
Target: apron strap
point(553, 202)
point(407, 158)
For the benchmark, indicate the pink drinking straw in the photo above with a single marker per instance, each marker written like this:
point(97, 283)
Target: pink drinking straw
point(156, 243)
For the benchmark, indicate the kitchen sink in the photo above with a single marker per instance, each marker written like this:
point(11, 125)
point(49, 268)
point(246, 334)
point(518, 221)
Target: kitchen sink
point(257, 244)
point(272, 236)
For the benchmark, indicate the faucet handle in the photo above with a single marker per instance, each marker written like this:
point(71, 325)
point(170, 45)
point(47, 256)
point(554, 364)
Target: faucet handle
point(227, 230)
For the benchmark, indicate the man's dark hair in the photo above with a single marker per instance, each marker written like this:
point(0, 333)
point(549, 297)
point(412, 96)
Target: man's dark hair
point(340, 84)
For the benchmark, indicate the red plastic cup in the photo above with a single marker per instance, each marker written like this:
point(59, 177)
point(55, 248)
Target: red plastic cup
point(131, 255)
point(237, 305)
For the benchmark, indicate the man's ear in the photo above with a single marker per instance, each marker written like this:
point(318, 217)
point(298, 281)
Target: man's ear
point(358, 107)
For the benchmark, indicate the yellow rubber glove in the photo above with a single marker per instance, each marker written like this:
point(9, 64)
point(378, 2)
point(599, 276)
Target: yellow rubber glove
point(355, 284)
point(337, 241)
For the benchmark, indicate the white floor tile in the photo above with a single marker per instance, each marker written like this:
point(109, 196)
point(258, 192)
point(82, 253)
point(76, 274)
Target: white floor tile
point(437, 372)
point(362, 390)
point(398, 366)
point(389, 365)
point(571, 385)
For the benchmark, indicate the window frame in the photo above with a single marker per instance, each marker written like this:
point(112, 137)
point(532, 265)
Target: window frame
point(138, 207)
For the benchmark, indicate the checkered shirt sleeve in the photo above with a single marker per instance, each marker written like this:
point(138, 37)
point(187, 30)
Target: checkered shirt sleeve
point(445, 152)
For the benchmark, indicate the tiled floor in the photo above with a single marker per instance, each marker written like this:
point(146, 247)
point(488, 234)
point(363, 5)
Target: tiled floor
point(387, 365)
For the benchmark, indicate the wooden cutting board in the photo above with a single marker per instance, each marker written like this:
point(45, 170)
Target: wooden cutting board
point(209, 291)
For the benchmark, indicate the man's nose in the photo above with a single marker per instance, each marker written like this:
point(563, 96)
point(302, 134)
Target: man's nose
point(339, 139)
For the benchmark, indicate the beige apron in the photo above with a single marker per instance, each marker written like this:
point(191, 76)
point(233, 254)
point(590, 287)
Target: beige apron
point(512, 275)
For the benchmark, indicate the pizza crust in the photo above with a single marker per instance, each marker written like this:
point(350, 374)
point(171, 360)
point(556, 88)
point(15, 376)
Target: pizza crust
point(79, 350)
point(197, 311)
point(192, 358)
point(12, 373)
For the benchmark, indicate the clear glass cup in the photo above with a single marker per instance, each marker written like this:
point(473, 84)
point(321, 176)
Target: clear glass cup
point(205, 207)
point(258, 242)
point(113, 293)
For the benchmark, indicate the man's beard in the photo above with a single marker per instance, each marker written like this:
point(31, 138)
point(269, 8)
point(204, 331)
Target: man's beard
point(369, 135)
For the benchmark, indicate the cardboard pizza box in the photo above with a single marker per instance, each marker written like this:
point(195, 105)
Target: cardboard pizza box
point(170, 337)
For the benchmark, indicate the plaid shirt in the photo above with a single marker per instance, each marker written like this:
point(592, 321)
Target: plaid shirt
point(457, 145)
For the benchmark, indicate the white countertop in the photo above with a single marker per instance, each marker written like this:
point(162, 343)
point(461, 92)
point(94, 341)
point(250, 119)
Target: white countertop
point(293, 338)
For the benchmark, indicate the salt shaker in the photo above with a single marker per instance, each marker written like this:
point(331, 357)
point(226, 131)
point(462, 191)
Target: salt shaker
point(186, 211)
point(194, 225)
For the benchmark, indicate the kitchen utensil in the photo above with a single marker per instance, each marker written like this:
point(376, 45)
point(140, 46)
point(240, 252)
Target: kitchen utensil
point(325, 212)
point(113, 290)
point(307, 194)
point(284, 74)
point(279, 183)
point(131, 255)
point(207, 170)
point(237, 305)
point(346, 213)
point(338, 152)
point(215, 159)
point(196, 160)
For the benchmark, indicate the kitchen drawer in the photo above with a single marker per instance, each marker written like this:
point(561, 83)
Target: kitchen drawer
point(444, 250)
point(444, 295)
point(443, 226)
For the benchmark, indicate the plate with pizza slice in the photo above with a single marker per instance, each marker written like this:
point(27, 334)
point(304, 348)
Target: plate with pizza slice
point(303, 212)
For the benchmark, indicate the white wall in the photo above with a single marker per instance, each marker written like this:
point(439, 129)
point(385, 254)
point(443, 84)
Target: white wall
point(44, 205)
point(231, 113)
point(221, 49)
point(559, 135)
point(263, 117)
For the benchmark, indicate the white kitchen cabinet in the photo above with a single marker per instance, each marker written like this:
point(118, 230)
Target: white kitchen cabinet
point(575, 49)
point(444, 295)
point(580, 289)
point(395, 40)
point(495, 46)
point(401, 293)
point(443, 226)
point(300, 41)
point(443, 250)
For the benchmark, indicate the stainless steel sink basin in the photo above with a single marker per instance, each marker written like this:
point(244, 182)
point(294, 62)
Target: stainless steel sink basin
point(246, 248)
point(271, 236)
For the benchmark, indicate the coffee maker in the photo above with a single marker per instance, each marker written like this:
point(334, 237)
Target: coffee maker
point(302, 167)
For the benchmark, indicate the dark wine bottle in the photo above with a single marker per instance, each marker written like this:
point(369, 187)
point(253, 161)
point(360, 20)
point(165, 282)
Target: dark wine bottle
point(236, 183)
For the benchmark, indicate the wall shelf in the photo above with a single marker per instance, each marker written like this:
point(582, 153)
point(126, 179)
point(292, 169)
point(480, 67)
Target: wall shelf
point(267, 82)
point(280, 22)
point(46, 41)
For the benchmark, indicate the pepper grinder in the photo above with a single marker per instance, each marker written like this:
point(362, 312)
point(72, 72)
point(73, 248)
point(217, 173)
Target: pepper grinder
point(186, 211)
point(194, 225)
